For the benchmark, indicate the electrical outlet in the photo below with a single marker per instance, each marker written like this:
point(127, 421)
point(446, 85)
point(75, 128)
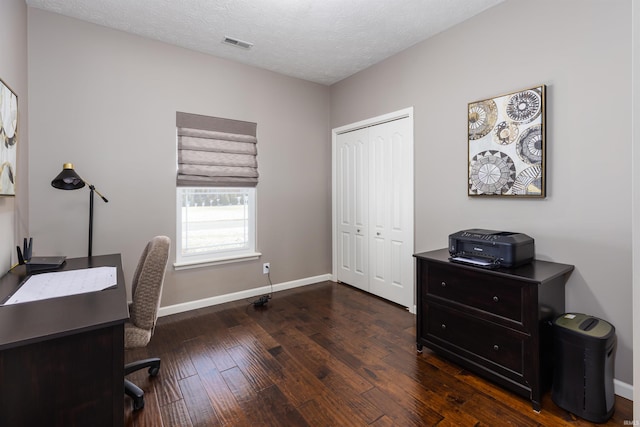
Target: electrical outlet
point(265, 268)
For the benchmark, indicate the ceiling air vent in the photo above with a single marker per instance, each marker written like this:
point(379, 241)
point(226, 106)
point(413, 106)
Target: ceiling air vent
point(237, 43)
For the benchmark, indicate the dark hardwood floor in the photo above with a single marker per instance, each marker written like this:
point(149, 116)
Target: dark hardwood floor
point(321, 355)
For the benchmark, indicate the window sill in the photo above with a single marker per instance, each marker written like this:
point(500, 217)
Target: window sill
point(184, 265)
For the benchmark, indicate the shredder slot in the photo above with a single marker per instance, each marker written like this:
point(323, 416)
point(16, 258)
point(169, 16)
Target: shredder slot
point(588, 324)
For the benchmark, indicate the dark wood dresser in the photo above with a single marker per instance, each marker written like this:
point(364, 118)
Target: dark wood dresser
point(495, 323)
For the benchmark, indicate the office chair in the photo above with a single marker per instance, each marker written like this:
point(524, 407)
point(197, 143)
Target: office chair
point(146, 289)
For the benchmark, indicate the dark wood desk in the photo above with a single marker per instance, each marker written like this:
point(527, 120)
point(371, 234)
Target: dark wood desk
point(62, 359)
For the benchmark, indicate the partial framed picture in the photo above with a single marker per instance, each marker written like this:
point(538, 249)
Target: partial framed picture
point(8, 139)
point(507, 145)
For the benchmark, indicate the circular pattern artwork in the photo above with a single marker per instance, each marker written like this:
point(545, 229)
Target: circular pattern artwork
point(482, 118)
point(8, 139)
point(507, 145)
point(506, 133)
point(491, 172)
point(8, 116)
point(529, 181)
point(524, 107)
point(529, 145)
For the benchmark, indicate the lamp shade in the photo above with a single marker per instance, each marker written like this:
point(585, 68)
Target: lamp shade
point(68, 179)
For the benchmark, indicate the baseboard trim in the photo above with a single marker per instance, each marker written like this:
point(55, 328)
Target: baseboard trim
point(623, 389)
point(235, 296)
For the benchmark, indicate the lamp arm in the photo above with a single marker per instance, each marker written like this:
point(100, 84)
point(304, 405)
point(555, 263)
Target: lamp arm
point(93, 188)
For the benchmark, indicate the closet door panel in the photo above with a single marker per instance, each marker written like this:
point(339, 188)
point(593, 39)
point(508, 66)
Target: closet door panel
point(391, 202)
point(351, 177)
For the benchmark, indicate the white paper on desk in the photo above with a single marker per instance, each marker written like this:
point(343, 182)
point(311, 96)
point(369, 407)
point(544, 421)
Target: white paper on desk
point(64, 283)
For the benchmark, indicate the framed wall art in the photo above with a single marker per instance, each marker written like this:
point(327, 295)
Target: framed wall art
point(507, 145)
point(8, 140)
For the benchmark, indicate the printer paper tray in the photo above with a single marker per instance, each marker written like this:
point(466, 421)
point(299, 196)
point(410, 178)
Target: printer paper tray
point(475, 261)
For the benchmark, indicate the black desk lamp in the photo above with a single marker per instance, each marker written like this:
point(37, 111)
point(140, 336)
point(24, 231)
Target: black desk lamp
point(68, 179)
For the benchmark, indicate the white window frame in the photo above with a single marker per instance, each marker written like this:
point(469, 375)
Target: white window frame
point(217, 257)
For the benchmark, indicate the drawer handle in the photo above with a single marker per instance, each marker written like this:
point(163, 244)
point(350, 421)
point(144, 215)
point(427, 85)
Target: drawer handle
point(496, 299)
point(443, 326)
point(496, 347)
point(443, 284)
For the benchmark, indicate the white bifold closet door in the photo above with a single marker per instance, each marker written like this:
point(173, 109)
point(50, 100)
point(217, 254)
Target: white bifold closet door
point(374, 210)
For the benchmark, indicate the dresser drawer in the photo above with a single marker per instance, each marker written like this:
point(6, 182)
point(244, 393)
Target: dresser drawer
point(480, 290)
point(492, 343)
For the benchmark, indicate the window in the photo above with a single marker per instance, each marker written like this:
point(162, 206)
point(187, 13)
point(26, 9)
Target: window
point(217, 172)
point(215, 224)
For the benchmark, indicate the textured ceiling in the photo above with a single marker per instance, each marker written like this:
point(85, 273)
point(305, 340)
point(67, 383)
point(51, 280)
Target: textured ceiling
point(323, 41)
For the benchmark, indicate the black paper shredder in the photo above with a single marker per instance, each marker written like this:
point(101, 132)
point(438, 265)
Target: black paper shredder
point(584, 350)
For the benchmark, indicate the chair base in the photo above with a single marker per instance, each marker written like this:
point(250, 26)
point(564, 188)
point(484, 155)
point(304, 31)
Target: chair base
point(132, 390)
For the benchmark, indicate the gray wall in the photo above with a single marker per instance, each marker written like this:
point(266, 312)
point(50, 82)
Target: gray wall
point(13, 71)
point(581, 51)
point(106, 101)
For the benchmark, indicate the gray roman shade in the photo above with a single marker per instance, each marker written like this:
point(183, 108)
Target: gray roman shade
point(215, 152)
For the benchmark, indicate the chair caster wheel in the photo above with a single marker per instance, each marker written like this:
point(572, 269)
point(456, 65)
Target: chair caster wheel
point(138, 404)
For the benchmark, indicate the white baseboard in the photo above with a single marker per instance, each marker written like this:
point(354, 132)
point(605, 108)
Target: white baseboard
point(249, 293)
point(623, 389)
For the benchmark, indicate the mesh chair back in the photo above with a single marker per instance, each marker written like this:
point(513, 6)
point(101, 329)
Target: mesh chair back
point(148, 279)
